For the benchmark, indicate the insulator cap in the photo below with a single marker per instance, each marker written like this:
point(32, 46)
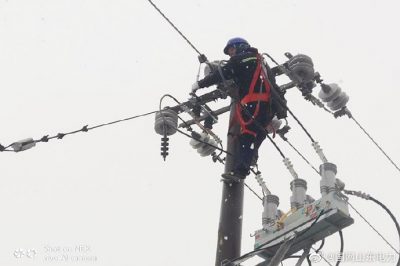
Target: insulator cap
point(301, 68)
point(298, 183)
point(339, 103)
point(273, 199)
point(334, 96)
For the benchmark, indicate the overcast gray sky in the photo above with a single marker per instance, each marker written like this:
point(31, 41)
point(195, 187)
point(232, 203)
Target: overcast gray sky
point(65, 64)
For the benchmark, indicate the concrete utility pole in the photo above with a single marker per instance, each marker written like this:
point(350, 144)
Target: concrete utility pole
point(231, 215)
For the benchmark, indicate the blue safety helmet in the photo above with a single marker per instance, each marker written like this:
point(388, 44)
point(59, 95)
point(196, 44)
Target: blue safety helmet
point(237, 43)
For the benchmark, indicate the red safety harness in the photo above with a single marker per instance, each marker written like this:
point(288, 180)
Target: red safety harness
point(254, 97)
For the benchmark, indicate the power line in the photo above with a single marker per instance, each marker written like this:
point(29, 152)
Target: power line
point(377, 145)
point(274, 143)
point(85, 128)
point(255, 193)
point(302, 156)
point(372, 227)
point(173, 25)
point(368, 197)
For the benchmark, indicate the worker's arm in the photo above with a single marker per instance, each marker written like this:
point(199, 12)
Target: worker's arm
point(215, 76)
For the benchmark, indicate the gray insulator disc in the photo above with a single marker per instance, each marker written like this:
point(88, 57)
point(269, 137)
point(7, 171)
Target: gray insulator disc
point(303, 72)
point(206, 150)
point(334, 91)
point(168, 123)
point(300, 58)
point(339, 102)
point(195, 143)
point(198, 144)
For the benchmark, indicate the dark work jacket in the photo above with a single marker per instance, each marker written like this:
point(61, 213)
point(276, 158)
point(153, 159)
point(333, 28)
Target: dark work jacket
point(241, 69)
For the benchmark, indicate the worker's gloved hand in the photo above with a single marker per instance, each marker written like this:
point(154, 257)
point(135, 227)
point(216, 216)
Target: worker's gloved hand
point(195, 87)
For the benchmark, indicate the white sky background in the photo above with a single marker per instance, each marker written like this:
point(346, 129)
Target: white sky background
point(65, 64)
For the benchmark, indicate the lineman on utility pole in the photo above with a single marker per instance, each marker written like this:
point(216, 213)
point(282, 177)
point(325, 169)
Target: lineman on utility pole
point(255, 106)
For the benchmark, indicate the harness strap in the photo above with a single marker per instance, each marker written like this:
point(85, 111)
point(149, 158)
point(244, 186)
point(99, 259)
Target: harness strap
point(254, 97)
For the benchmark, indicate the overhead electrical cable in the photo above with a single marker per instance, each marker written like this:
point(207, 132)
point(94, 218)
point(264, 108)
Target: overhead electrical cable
point(302, 156)
point(85, 128)
point(376, 144)
point(176, 28)
point(368, 197)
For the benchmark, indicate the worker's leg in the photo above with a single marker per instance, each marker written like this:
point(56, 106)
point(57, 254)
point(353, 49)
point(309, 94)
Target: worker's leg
point(257, 143)
point(244, 154)
point(251, 137)
point(259, 126)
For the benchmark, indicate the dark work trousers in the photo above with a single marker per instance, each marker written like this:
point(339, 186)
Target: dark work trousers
point(250, 142)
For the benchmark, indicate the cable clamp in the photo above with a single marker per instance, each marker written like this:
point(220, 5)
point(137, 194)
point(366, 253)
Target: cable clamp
point(342, 112)
point(202, 58)
point(60, 135)
point(44, 139)
point(282, 131)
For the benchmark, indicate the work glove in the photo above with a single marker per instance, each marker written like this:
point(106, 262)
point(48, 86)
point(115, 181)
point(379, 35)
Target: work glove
point(195, 87)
